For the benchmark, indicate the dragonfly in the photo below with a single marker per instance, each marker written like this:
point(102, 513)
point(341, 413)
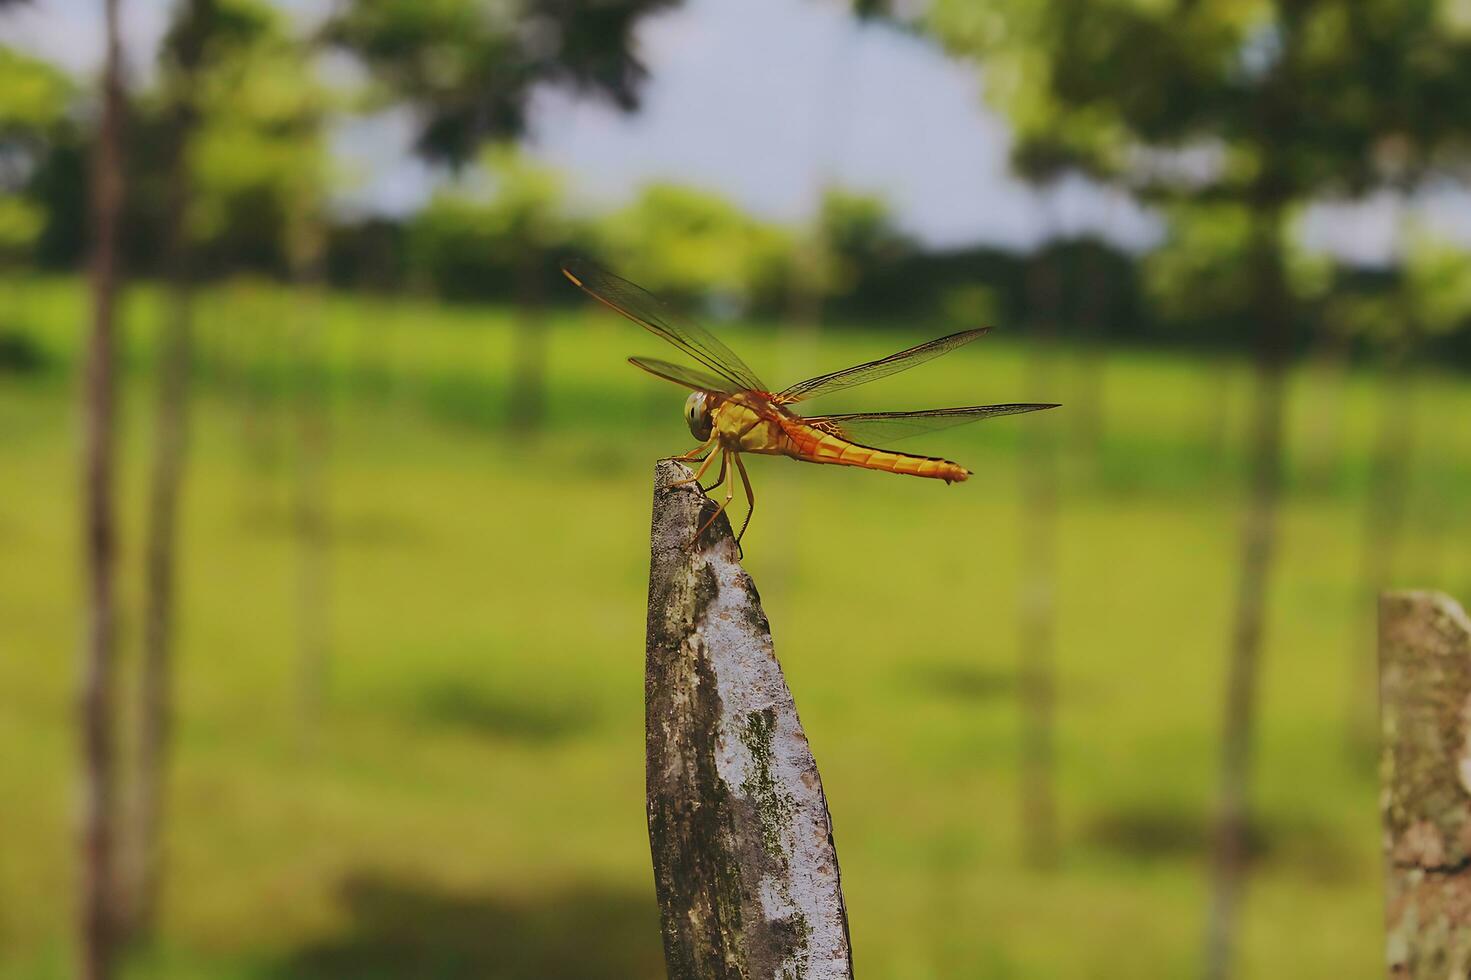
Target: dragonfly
point(732, 412)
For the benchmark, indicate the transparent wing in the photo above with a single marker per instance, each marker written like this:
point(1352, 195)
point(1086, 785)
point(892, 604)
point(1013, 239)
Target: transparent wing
point(681, 375)
point(643, 308)
point(876, 428)
point(864, 373)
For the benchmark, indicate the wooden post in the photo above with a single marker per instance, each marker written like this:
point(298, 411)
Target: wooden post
point(1425, 706)
point(744, 864)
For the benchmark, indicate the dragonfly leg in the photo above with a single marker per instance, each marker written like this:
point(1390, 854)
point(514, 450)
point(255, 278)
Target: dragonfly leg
point(694, 453)
point(704, 465)
point(729, 496)
point(724, 458)
point(750, 500)
point(699, 473)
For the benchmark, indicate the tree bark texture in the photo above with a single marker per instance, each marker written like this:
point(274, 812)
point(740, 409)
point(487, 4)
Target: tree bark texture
point(95, 695)
point(1425, 798)
point(744, 864)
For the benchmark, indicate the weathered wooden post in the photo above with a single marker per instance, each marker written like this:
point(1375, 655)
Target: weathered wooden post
point(1425, 710)
point(744, 863)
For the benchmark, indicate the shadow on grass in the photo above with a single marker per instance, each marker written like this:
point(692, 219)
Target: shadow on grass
point(962, 682)
point(1146, 833)
point(402, 928)
point(20, 354)
point(456, 704)
point(365, 530)
point(1156, 833)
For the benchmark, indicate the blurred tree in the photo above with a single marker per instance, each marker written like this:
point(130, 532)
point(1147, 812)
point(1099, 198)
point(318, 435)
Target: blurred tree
point(692, 244)
point(34, 100)
point(1429, 297)
point(1199, 280)
point(96, 940)
point(1436, 282)
point(259, 177)
point(293, 107)
point(1053, 145)
point(1052, 149)
point(1044, 163)
point(1095, 306)
point(368, 253)
point(509, 221)
point(468, 69)
point(207, 38)
point(467, 240)
point(1328, 360)
point(258, 156)
point(1038, 609)
point(1263, 104)
point(859, 243)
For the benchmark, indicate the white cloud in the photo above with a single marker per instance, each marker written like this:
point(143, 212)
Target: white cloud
point(767, 100)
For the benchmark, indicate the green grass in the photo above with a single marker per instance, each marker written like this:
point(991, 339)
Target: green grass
point(473, 804)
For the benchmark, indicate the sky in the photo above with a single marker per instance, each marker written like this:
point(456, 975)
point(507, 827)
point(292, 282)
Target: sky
point(767, 102)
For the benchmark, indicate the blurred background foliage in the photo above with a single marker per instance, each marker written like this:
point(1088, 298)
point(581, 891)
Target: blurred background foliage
point(389, 721)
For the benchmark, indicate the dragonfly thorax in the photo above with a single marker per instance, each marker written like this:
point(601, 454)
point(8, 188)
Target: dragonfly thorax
point(698, 415)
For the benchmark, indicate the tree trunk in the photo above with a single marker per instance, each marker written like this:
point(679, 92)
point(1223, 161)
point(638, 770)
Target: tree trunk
point(143, 868)
point(1425, 799)
point(1258, 542)
point(95, 692)
point(744, 864)
point(1036, 667)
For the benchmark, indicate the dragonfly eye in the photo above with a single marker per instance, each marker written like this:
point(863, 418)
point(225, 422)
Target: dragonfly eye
point(697, 415)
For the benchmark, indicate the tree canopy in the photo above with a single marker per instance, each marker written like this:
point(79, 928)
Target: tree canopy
point(1286, 99)
point(35, 99)
point(689, 242)
point(472, 238)
point(469, 68)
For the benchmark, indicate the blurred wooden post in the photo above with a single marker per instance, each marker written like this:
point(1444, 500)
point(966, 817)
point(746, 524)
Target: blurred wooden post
point(1425, 705)
point(744, 864)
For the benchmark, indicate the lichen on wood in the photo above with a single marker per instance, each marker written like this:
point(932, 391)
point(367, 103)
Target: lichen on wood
point(744, 864)
point(1425, 703)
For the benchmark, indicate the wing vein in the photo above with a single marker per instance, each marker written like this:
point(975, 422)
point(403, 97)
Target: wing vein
point(861, 374)
point(893, 426)
point(643, 308)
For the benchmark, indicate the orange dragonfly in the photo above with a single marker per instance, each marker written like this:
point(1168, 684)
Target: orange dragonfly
point(732, 412)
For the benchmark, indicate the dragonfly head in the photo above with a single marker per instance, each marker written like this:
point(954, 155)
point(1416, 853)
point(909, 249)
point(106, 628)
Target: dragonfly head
point(697, 413)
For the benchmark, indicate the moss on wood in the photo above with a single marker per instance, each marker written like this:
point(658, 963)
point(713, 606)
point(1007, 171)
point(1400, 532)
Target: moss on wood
point(744, 865)
point(1425, 695)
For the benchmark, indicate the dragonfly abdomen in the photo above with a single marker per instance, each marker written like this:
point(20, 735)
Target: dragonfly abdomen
point(817, 446)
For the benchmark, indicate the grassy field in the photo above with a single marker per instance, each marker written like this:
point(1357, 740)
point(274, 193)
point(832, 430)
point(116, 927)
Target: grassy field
point(470, 803)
